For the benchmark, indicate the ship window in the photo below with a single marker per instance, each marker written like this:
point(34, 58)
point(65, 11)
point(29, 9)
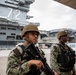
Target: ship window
point(18, 37)
point(13, 34)
point(53, 34)
point(10, 37)
point(2, 33)
point(11, 28)
point(43, 35)
point(3, 28)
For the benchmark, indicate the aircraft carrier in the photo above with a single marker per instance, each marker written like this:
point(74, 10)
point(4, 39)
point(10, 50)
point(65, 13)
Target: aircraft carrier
point(13, 16)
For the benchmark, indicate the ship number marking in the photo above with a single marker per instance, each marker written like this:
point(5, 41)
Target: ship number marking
point(16, 16)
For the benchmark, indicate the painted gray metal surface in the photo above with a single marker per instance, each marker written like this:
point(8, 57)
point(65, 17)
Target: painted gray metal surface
point(15, 10)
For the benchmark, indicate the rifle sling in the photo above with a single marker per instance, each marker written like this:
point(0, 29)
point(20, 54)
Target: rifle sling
point(17, 52)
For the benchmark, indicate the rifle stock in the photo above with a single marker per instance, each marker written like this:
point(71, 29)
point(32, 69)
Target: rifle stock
point(35, 54)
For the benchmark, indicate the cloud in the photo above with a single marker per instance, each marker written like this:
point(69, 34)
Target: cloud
point(52, 15)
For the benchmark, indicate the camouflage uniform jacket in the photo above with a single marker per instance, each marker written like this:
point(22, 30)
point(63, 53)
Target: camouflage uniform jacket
point(16, 66)
point(55, 49)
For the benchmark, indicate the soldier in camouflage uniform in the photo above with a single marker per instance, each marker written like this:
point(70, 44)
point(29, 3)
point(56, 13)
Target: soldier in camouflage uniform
point(55, 50)
point(17, 66)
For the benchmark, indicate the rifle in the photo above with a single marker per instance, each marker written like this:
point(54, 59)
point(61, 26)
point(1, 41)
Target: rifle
point(35, 54)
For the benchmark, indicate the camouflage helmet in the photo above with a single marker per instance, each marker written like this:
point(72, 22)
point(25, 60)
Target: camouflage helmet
point(61, 33)
point(29, 27)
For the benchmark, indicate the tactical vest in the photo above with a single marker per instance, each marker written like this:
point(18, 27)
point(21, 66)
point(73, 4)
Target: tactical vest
point(66, 58)
point(33, 70)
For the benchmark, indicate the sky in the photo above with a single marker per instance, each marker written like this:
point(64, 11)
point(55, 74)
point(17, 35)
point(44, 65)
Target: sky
point(52, 15)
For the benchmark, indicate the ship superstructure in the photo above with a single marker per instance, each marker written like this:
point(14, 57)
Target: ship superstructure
point(52, 37)
point(13, 16)
point(9, 32)
point(15, 10)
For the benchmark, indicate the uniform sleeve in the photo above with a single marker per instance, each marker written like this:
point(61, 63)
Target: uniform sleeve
point(15, 66)
point(74, 70)
point(53, 59)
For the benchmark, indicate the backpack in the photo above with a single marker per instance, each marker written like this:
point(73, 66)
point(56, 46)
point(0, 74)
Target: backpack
point(66, 58)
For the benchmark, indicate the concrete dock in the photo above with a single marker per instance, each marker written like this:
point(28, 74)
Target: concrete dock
point(3, 60)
